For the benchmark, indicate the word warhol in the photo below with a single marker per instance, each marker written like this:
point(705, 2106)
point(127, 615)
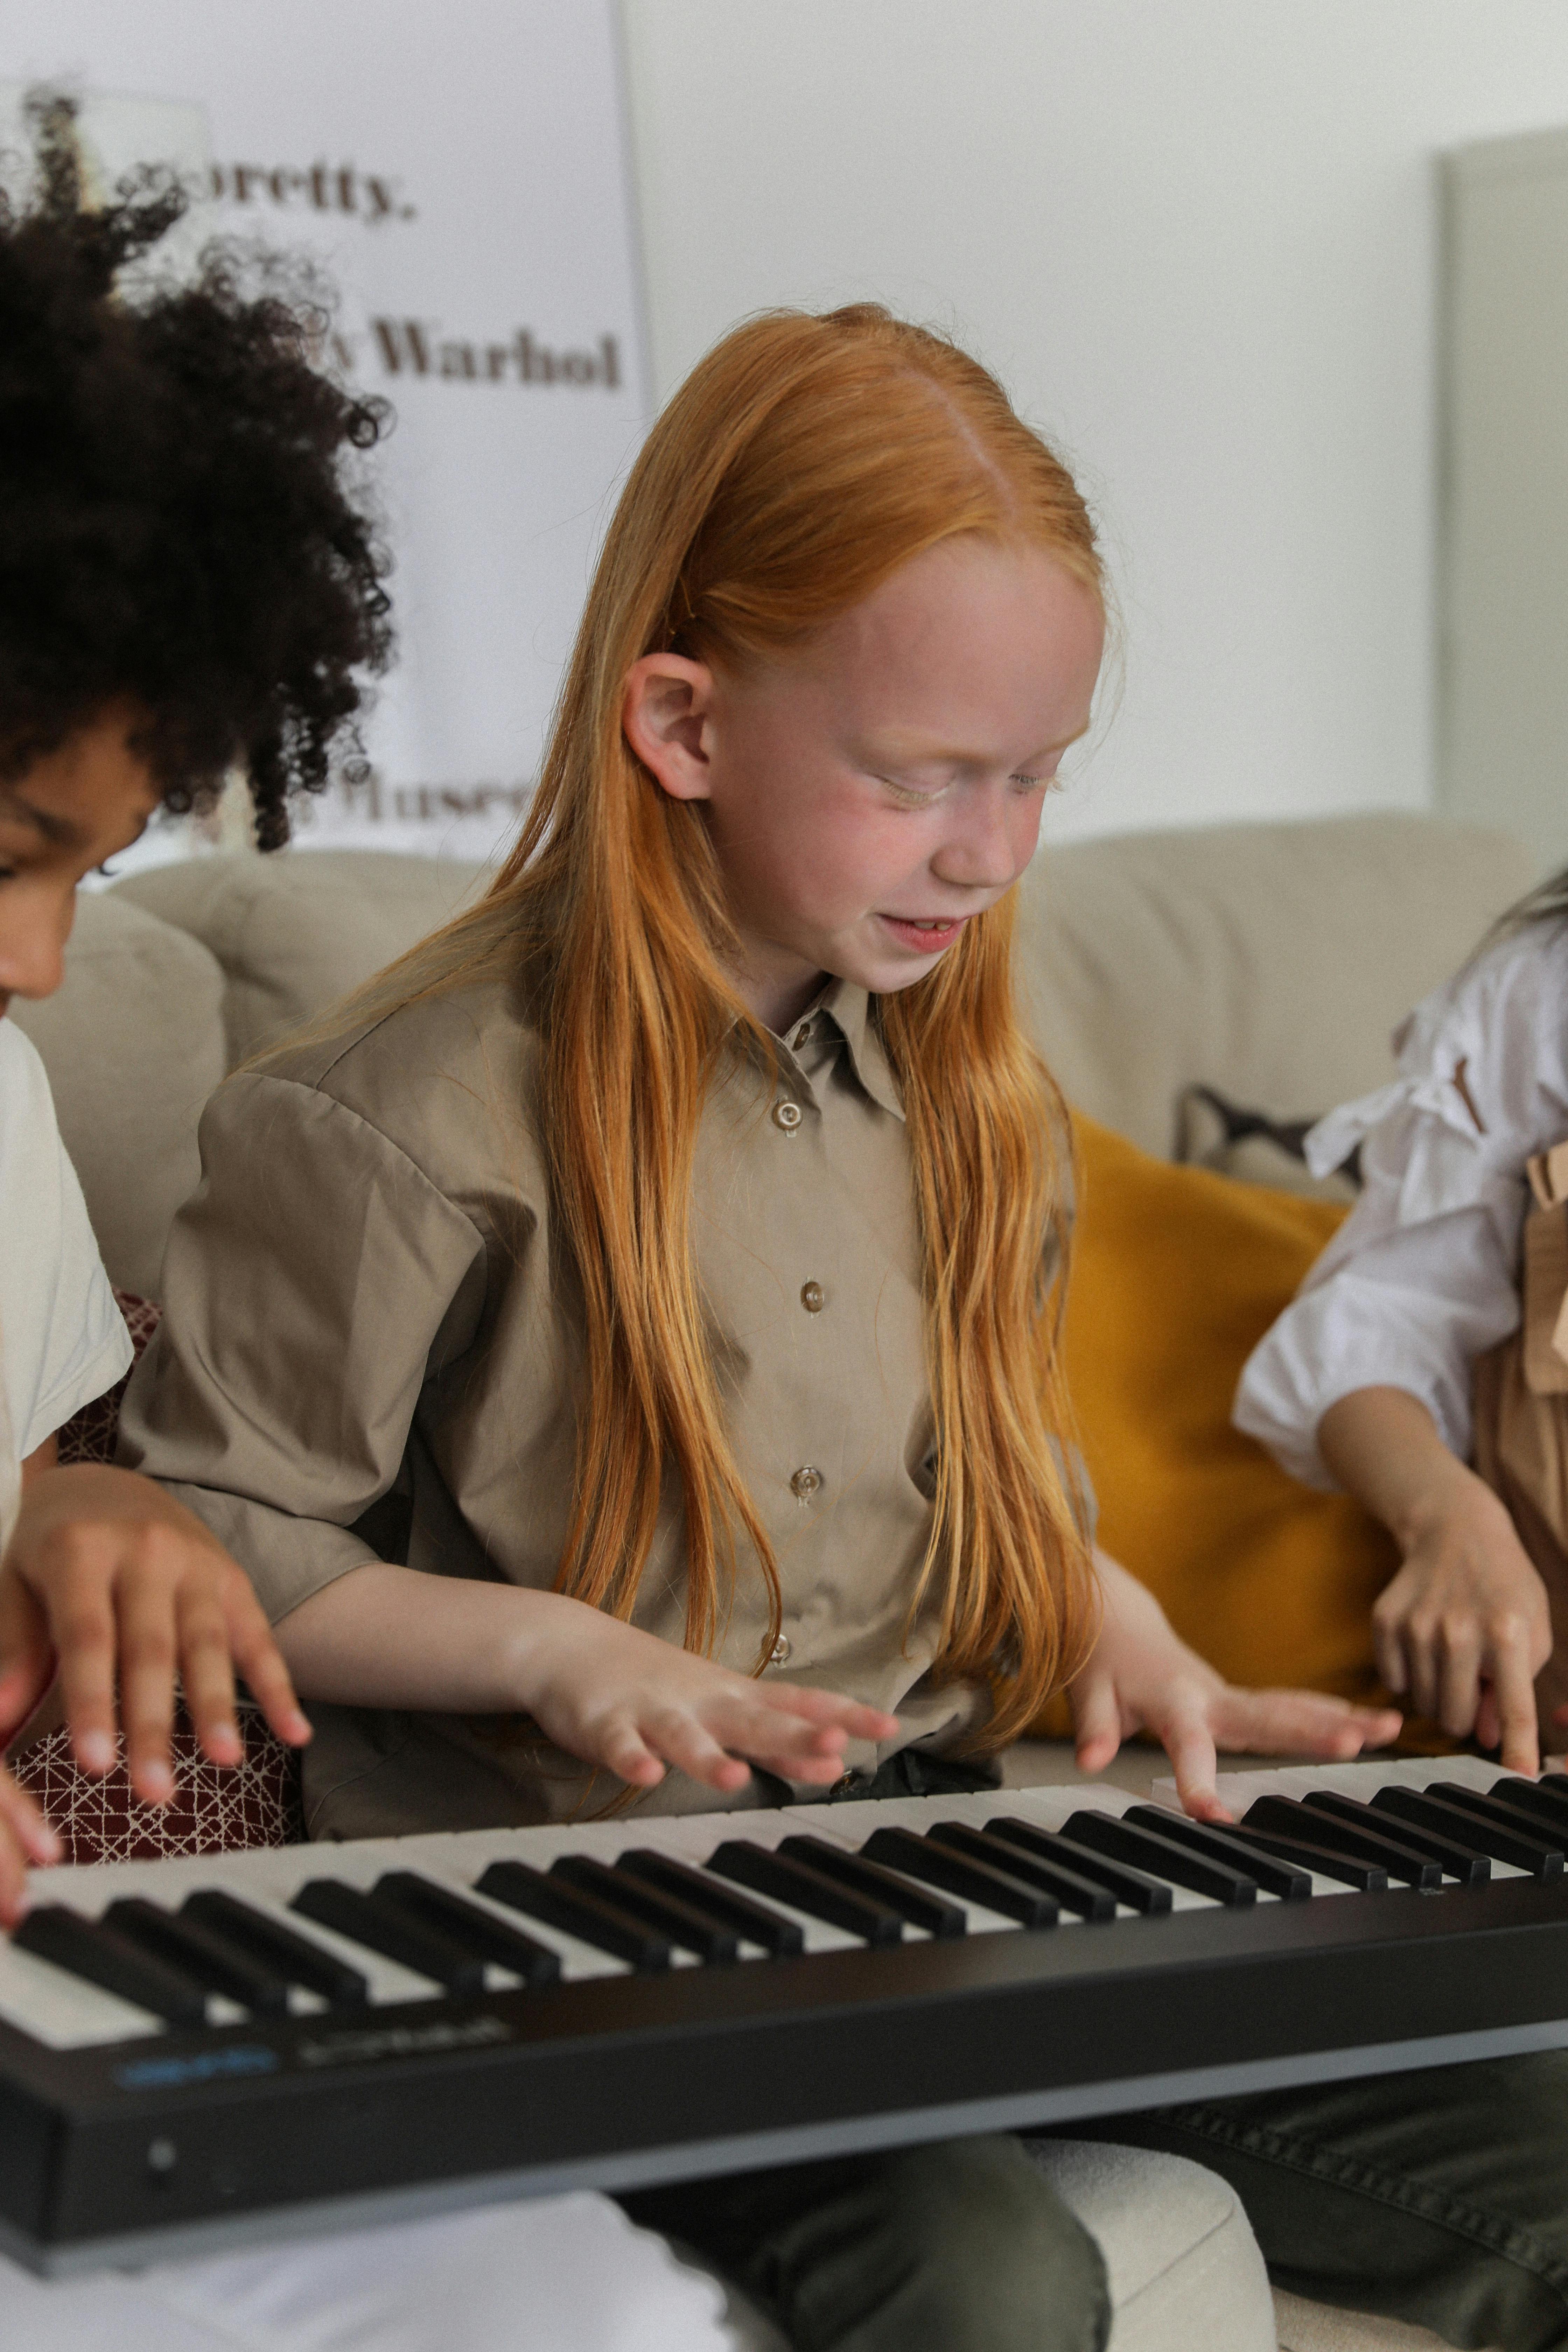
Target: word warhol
point(415, 347)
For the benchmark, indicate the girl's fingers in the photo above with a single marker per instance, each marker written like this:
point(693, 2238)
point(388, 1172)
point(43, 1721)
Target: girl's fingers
point(621, 1749)
point(207, 1678)
point(1388, 1648)
point(1298, 1723)
point(22, 1816)
point(13, 1877)
point(1424, 1648)
point(149, 1647)
point(1458, 1678)
point(261, 1661)
point(1096, 1720)
point(1190, 1746)
point(1512, 1694)
point(682, 1741)
point(27, 1655)
point(85, 1635)
point(850, 1715)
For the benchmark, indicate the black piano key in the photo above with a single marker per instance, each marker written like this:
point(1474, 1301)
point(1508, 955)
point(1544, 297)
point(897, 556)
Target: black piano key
point(914, 1905)
point(95, 1953)
point(975, 1882)
point(1135, 1888)
point(1289, 1881)
point(1546, 1798)
point(1456, 1861)
point(265, 1939)
point(1388, 1850)
point(808, 1890)
point(1513, 1844)
point(608, 1928)
point(1366, 1877)
point(383, 1927)
point(1164, 1857)
point(688, 1929)
point(782, 1937)
point(1070, 1888)
point(1551, 1845)
point(480, 1932)
point(186, 1945)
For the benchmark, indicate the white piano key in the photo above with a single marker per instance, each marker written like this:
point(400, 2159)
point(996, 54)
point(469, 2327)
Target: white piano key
point(62, 2010)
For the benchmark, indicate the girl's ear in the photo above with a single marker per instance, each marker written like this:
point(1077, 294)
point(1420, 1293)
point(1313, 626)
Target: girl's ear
point(663, 711)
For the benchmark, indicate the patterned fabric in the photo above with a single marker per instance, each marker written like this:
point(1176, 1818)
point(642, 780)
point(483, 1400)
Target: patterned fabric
point(214, 1808)
point(90, 1435)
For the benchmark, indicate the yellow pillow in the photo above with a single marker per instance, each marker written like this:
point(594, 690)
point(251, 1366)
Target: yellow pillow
point(1177, 1273)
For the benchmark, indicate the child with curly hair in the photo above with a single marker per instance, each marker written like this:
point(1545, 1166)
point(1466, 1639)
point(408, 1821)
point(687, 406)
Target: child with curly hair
point(188, 585)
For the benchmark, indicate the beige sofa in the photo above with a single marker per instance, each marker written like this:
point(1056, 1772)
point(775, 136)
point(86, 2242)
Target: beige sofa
point(1268, 961)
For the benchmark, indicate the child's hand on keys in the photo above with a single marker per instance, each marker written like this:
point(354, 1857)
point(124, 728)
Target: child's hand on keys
point(615, 1695)
point(27, 1842)
point(108, 1582)
point(1140, 1677)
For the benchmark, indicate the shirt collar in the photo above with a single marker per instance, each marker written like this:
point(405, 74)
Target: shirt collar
point(849, 1009)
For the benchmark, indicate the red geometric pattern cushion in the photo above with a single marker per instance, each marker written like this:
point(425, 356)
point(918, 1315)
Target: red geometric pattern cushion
point(214, 1808)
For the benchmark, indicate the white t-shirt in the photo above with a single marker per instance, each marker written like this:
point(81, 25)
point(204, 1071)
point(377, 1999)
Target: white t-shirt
point(1423, 1275)
point(62, 1339)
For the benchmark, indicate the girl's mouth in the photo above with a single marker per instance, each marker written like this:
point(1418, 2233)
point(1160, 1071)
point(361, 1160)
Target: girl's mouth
point(926, 937)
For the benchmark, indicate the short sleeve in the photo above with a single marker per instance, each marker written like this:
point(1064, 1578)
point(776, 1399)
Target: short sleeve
point(64, 1338)
point(310, 1283)
point(1423, 1275)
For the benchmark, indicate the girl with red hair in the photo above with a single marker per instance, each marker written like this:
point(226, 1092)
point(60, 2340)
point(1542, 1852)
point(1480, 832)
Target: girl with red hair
point(624, 1336)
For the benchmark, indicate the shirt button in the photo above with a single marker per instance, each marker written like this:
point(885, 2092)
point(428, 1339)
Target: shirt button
point(802, 1036)
point(779, 1654)
point(806, 1483)
point(813, 1298)
point(787, 1115)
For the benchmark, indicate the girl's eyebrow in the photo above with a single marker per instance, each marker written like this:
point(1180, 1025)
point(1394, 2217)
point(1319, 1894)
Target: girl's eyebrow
point(893, 748)
point(58, 831)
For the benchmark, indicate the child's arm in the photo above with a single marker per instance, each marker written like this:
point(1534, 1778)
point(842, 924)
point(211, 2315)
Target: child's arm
point(1141, 1677)
point(111, 1582)
point(1464, 1627)
point(605, 1691)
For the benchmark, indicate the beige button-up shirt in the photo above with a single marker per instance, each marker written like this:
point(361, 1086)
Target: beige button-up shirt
point(368, 1351)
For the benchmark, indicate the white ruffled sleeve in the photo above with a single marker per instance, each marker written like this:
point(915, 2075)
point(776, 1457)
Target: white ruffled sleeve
point(1423, 1275)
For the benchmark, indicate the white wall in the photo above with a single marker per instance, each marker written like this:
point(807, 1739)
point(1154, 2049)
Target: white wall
point(1196, 238)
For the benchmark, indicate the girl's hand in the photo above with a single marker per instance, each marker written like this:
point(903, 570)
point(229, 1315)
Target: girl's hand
point(108, 1581)
point(1140, 1677)
point(25, 1841)
point(618, 1697)
point(1463, 1628)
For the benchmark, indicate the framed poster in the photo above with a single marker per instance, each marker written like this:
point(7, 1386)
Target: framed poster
point(461, 175)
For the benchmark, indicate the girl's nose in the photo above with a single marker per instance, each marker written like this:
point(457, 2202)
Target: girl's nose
point(992, 841)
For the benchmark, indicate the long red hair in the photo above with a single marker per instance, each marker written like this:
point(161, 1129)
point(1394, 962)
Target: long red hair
point(800, 463)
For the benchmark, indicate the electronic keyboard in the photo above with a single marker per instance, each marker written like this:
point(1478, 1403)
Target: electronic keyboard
point(199, 2052)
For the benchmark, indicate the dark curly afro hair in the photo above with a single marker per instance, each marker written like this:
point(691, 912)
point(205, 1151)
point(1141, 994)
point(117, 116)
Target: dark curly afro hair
point(181, 524)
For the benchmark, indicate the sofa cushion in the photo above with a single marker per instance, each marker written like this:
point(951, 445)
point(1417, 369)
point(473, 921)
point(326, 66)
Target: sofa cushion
point(1181, 2261)
point(133, 1043)
point(1270, 961)
point(297, 930)
point(1177, 1273)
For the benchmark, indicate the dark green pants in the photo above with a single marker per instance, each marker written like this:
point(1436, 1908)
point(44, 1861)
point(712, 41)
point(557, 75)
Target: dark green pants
point(1439, 2197)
